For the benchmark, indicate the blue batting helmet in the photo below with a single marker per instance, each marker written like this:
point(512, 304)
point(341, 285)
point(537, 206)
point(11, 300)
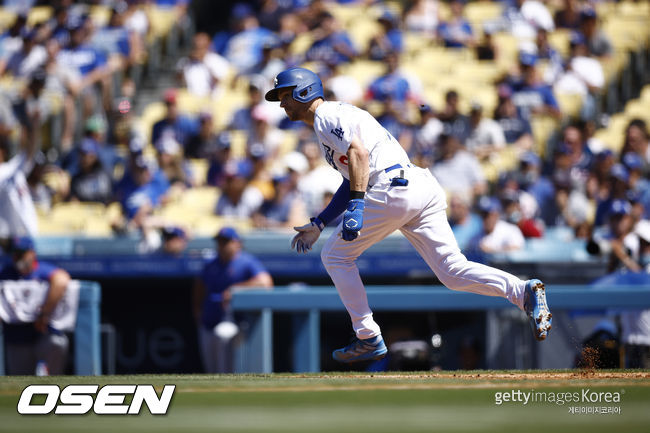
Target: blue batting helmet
point(306, 84)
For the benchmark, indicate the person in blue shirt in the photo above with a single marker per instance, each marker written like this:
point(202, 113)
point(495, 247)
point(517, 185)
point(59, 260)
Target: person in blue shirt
point(465, 224)
point(232, 268)
point(332, 45)
point(113, 40)
point(530, 94)
point(388, 39)
point(28, 344)
point(390, 86)
point(181, 126)
point(457, 31)
point(516, 129)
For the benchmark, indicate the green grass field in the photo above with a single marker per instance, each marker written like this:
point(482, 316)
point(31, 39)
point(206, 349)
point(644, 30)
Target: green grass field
point(349, 402)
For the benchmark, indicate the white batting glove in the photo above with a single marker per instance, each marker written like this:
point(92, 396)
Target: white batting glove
point(306, 237)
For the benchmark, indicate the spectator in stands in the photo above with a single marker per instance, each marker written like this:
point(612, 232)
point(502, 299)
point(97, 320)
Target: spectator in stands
point(568, 16)
point(486, 135)
point(486, 48)
point(284, 209)
point(530, 94)
point(233, 269)
point(137, 23)
point(637, 140)
point(344, 87)
point(584, 76)
point(114, 40)
point(598, 43)
point(331, 44)
point(392, 85)
point(67, 83)
point(623, 243)
point(35, 341)
point(23, 62)
point(516, 129)
point(95, 131)
point(422, 16)
point(271, 12)
point(17, 213)
point(547, 53)
point(172, 166)
point(465, 224)
point(263, 133)
point(33, 108)
point(523, 17)
point(238, 199)
point(619, 178)
point(244, 49)
point(497, 236)
point(457, 170)
point(218, 156)
point(519, 208)
point(58, 25)
point(388, 39)
point(271, 63)
point(203, 72)
point(457, 31)
point(11, 40)
point(241, 119)
point(139, 193)
point(572, 206)
point(260, 178)
point(181, 126)
point(92, 182)
point(203, 142)
point(530, 179)
point(318, 179)
point(579, 154)
point(426, 137)
point(89, 63)
point(455, 123)
point(174, 240)
point(42, 195)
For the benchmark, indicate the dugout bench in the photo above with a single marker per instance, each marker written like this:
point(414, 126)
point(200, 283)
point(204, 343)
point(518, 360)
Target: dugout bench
point(255, 354)
point(87, 340)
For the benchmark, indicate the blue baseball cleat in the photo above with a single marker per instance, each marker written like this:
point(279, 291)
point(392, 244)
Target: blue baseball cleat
point(361, 350)
point(536, 308)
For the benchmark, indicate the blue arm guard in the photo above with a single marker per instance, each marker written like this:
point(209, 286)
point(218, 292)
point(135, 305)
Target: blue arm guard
point(338, 203)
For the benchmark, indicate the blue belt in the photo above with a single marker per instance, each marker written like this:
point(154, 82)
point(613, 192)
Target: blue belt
point(398, 181)
point(396, 166)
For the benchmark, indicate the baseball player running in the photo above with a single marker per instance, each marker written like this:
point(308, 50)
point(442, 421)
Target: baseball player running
point(382, 192)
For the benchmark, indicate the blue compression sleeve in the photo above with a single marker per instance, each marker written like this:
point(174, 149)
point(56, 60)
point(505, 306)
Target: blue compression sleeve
point(338, 203)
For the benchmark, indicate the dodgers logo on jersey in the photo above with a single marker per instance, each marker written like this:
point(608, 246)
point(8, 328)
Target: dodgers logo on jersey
point(329, 156)
point(338, 133)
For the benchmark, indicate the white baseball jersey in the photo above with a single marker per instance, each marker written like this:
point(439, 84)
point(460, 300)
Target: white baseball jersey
point(17, 212)
point(416, 209)
point(337, 123)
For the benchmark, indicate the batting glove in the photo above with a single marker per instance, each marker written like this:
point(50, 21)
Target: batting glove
point(307, 236)
point(353, 219)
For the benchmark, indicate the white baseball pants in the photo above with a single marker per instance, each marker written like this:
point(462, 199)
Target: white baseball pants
point(418, 211)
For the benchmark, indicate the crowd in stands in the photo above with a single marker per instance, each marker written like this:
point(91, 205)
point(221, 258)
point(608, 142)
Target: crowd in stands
point(267, 170)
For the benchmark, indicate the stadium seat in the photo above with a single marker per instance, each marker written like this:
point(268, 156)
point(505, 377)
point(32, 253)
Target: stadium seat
point(199, 169)
point(569, 104)
point(543, 127)
point(39, 14)
point(479, 12)
point(200, 201)
point(364, 71)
